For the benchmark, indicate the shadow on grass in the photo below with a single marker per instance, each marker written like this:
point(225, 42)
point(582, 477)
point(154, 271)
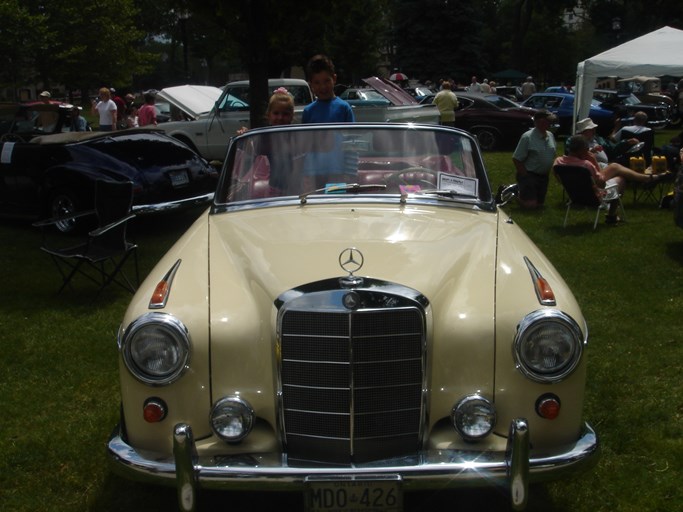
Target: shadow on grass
point(674, 249)
point(119, 494)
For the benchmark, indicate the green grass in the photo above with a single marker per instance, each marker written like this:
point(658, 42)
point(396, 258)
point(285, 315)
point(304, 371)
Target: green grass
point(59, 388)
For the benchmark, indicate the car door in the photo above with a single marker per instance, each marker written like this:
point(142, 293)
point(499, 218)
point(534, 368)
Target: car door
point(231, 114)
point(22, 167)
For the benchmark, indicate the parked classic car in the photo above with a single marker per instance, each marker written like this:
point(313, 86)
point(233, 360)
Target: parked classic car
point(209, 119)
point(495, 120)
point(23, 121)
point(205, 117)
point(402, 107)
point(419, 91)
point(562, 105)
point(354, 316)
point(54, 175)
point(625, 105)
point(648, 89)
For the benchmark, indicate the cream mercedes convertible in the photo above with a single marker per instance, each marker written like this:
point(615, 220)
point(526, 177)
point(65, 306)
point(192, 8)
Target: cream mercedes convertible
point(353, 318)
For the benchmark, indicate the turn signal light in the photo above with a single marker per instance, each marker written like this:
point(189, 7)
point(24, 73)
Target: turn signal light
point(163, 288)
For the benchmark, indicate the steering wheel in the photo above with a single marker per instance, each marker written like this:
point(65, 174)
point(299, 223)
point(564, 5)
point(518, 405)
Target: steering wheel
point(635, 148)
point(10, 137)
point(397, 178)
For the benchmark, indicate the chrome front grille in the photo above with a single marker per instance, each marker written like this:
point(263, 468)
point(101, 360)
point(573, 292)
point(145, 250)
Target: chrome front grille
point(351, 383)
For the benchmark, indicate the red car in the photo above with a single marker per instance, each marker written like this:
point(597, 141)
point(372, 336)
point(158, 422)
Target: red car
point(495, 120)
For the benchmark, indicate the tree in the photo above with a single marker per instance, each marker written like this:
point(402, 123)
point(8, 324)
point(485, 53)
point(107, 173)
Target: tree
point(439, 38)
point(77, 43)
point(19, 44)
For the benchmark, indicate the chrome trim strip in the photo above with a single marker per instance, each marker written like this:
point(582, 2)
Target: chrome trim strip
point(429, 469)
point(143, 209)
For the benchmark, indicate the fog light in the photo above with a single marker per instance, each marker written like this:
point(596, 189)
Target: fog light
point(232, 419)
point(548, 406)
point(474, 417)
point(154, 410)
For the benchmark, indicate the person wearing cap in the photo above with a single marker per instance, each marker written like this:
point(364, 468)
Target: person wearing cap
point(603, 149)
point(533, 158)
point(47, 119)
point(78, 122)
point(120, 108)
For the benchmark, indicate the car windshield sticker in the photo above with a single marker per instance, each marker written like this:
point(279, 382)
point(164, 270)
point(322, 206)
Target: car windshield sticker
point(335, 188)
point(459, 184)
point(409, 189)
point(6, 155)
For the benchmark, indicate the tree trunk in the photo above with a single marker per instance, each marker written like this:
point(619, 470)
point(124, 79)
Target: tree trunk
point(257, 60)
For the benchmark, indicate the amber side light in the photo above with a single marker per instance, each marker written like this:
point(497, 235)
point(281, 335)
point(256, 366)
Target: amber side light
point(545, 292)
point(163, 288)
point(160, 294)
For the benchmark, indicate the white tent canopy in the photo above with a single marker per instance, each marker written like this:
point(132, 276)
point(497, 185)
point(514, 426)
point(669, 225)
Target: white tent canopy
point(655, 54)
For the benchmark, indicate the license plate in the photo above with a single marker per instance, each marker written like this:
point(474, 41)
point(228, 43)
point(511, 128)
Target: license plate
point(354, 494)
point(179, 178)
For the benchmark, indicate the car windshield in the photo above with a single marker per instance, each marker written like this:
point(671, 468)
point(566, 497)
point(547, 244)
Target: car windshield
point(237, 97)
point(337, 162)
point(631, 99)
point(364, 95)
point(500, 101)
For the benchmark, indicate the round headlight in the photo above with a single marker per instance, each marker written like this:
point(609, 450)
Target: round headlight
point(156, 348)
point(232, 419)
point(548, 345)
point(474, 417)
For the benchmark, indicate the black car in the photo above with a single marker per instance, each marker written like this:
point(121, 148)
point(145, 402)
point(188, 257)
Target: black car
point(626, 104)
point(495, 120)
point(54, 175)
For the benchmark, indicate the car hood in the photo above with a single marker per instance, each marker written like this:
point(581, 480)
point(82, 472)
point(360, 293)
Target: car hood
point(194, 100)
point(391, 91)
point(441, 252)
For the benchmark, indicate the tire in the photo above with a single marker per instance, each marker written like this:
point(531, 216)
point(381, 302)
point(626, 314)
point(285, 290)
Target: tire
point(488, 138)
point(63, 202)
point(187, 142)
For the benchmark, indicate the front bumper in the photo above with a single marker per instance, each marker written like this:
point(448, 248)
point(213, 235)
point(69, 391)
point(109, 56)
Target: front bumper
point(431, 469)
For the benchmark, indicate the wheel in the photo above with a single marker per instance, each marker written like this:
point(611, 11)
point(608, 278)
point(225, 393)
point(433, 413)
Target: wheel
point(187, 142)
point(487, 137)
point(62, 203)
point(675, 121)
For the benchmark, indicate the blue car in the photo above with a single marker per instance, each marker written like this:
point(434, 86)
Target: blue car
point(562, 105)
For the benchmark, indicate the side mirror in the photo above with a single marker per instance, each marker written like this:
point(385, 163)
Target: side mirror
point(506, 193)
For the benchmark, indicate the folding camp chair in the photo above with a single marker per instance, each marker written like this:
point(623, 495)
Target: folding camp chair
point(101, 257)
point(577, 182)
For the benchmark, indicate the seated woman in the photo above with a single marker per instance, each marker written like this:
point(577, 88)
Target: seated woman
point(579, 155)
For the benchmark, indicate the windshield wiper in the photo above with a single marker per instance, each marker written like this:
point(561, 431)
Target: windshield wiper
point(446, 193)
point(343, 187)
